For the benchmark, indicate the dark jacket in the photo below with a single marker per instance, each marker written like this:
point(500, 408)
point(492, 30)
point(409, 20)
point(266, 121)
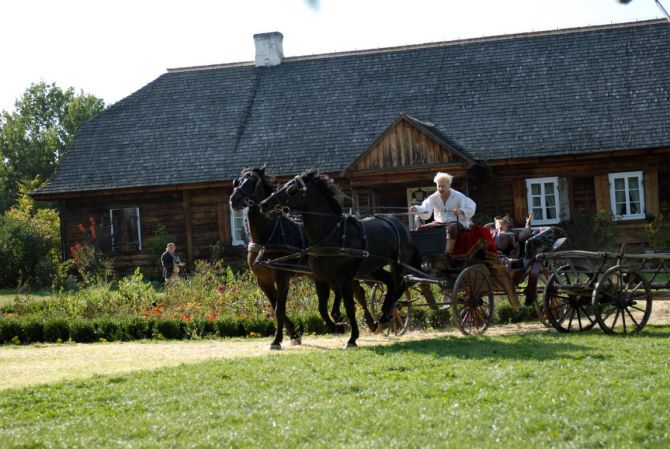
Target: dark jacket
point(167, 260)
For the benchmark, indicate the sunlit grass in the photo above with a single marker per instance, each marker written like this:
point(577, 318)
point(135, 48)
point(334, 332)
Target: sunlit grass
point(528, 390)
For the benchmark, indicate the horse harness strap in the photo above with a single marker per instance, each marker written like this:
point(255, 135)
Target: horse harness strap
point(397, 234)
point(296, 252)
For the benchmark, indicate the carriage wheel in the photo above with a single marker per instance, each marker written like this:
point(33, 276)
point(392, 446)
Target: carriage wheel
point(622, 300)
point(567, 300)
point(539, 287)
point(472, 300)
point(400, 314)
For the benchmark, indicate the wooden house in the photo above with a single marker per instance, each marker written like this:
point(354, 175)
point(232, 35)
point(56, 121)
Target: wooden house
point(558, 123)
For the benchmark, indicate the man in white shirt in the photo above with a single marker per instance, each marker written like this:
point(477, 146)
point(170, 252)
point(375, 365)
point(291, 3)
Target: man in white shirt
point(448, 206)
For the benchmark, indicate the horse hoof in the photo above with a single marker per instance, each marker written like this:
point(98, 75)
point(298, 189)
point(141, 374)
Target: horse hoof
point(372, 327)
point(350, 345)
point(297, 341)
point(275, 347)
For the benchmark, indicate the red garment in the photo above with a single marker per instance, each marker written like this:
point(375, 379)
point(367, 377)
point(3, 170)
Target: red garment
point(468, 239)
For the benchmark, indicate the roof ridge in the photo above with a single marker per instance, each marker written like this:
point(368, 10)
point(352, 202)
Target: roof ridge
point(471, 40)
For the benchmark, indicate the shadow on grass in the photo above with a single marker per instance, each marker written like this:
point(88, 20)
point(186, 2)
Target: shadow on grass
point(522, 347)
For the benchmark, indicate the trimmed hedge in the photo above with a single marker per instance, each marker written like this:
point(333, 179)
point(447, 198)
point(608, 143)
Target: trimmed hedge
point(507, 314)
point(31, 330)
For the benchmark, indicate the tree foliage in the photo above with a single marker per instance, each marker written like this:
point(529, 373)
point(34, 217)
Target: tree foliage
point(35, 135)
point(29, 242)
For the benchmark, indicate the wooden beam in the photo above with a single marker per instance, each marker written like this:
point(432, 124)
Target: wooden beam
point(223, 215)
point(188, 228)
point(651, 199)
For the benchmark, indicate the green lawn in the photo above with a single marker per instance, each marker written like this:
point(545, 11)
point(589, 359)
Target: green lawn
point(541, 390)
point(7, 295)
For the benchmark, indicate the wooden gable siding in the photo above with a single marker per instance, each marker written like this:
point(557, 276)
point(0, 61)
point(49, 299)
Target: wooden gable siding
point(664, 193)
point(403, 145)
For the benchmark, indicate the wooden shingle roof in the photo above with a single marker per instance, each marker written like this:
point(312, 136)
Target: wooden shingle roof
point(537, 94)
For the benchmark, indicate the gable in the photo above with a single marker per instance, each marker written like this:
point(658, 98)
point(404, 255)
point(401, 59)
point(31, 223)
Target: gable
point(408, 143)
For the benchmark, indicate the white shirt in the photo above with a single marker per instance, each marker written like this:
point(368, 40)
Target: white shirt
point(444, 210)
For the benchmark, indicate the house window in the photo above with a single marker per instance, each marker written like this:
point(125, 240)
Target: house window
point(126, 231)
point(627, 195)
point(543, 200)
point(238, 228)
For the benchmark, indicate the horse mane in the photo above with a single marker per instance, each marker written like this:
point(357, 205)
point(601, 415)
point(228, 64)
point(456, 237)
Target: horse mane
point(267, 179)
point(333, 194)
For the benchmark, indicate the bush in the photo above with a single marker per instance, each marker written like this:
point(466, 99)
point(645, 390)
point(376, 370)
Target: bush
point(597, 232)
point(507, 314)
point(29, 242)
point(170, 329)
point(658, 233)
point(33, 331)
point(83, 331)
point(438, 319)
point(56, 330)
point(12, 330)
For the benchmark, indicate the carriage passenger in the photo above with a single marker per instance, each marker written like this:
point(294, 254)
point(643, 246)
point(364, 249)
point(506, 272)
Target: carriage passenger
point(450, 207)
point(507, 241)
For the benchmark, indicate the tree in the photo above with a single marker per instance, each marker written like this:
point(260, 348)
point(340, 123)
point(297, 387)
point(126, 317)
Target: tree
point(34, 137)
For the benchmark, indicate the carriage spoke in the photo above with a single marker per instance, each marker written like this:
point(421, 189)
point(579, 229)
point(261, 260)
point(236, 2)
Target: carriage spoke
point(586, 314)
point(633, 306)
point(623, 320)
point(572, 314)
point(637, 325)
point(616, 318)
point(579, 319)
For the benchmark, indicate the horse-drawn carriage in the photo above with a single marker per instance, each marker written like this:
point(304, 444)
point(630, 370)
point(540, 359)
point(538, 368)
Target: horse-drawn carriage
point(409, 269)
point(468, 282)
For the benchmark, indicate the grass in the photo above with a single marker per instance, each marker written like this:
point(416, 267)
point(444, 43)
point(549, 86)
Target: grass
point(527, 390)
point(7, 295)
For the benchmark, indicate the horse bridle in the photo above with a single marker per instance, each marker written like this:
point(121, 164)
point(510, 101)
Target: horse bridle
point(296, 185)
point(259, 182)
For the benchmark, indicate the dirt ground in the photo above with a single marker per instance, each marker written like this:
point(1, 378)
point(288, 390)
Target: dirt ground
point(23, 366)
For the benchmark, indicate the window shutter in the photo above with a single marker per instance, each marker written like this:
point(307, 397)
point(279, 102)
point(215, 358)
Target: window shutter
point(651, 192)
point(602, 190)
point(520, 201)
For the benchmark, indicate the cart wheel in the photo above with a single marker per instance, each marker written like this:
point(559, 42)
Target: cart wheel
point(538, 285)
point(567, 300)
point(401, 312)
point(622, 300)
point(472, 300)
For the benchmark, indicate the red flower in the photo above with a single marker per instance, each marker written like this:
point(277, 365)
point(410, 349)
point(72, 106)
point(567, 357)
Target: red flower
point(92, 232)
point(184, 317)
point(222, 288)
point(233, 290)
point(211, 316)
point(81, 228)
point(91, 220)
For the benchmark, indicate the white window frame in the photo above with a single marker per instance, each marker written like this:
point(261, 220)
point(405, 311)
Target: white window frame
point(558, 203)
point(625, 176)
point(234, 226)
point(137, 224)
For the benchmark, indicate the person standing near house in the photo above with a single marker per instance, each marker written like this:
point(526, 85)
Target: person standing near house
point(170, 262)
point(449, 207)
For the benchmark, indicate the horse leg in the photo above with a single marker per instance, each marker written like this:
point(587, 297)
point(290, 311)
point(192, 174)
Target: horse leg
point(323, 293)
point(282, 282)
point(394, 289)
point(359, 294)
point(346, 289)
point(268, 288)
point(335, 312)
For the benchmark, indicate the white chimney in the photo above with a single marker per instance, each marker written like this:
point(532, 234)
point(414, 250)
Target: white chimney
point(269, 48)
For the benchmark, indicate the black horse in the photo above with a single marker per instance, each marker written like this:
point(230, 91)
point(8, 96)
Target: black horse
point(343, 248)
point(275, 238)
